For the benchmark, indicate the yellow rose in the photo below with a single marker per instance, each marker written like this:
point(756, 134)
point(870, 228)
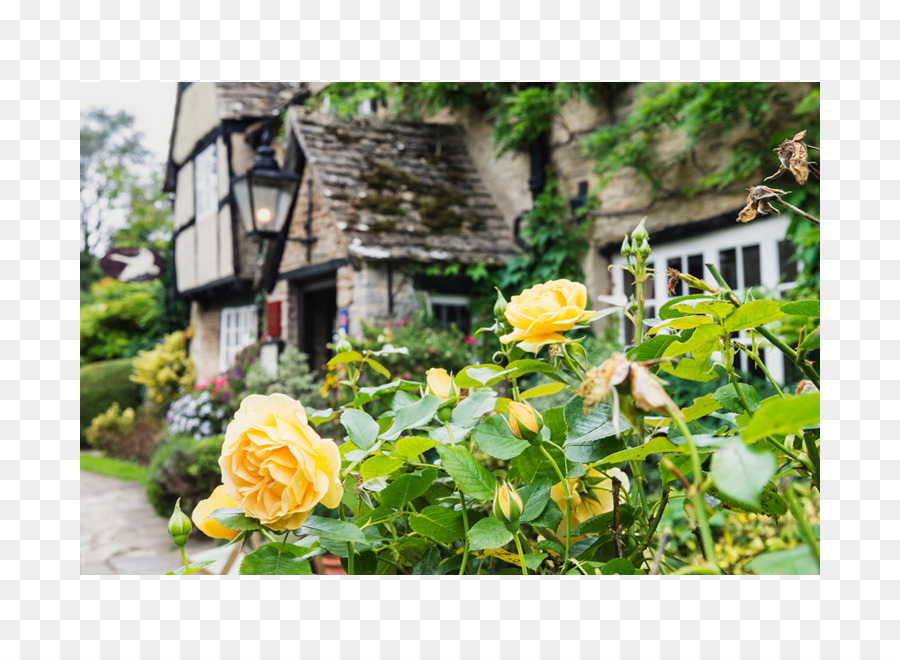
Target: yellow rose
point(209, 526)
point(587, 500)
point(540, 313)
point(275, 466)
point(439, 383)
point(508, 505)
point(524, 421)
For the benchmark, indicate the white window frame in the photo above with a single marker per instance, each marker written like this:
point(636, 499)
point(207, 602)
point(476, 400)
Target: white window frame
point(237, 329)
point(206, 183)
point(448, 300)
point(766, 233)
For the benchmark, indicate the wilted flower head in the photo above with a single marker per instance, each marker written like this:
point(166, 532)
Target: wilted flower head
point(759, 202)
point(792, 154)
point(645, 388)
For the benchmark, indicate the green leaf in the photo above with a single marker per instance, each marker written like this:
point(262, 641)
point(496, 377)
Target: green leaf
point(780, 416)
point(532, 464)
point(770, 502)
point(700, 336)
point(272, 559)
point(347, 357)
point(474, 406)
point(658, 445)
point(519, 368)
point(682, 464)
point(494, 437)
point(438, 523)
point(543, 390)
point(319, 416)
point(705, 305)
point(701, 407)
point(379, 466)
point(811, 343)
point(408, 487)
point(802, 308)
point(410, 447)
point(688, 369)
point(535, 496)
point(362, 429)
point(741, 472)
point(591, 437)
point(555, 420)
point(602, 523)
point(652, 349)
point(440, 435)
point(479, 376)
point(550, 517)
point(668, 309)
point(728, 397)
point(329, 528)
point(488, 533)
point(234, 518)
point(681, 323)
point(367, 394)
point(192, 568)
point(380, 368)
point(753, 314)
point(470, 475)
point(413, 416)
point(617, 566)
point(534, 559)
point(798, 560)
point(429, 563)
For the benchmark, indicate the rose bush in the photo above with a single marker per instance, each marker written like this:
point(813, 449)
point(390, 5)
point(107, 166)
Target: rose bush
point(581, 488)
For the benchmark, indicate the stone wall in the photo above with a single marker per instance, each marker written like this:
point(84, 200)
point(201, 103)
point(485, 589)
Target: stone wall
point(204, 350)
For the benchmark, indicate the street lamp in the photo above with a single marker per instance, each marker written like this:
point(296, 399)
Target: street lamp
point(265, 194)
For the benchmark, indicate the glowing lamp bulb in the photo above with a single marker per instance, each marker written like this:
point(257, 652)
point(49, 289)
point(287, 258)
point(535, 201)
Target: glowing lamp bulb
point(263, 215)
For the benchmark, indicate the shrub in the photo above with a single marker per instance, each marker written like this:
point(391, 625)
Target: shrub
point(122, 319)
point(166, 370)
point(198, 414)
point(186, 468)
point(294, 377)
point(124, 434)
point(106, 428)
point(105, 383)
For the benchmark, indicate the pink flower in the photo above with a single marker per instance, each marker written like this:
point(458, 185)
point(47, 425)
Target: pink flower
point(470, 339)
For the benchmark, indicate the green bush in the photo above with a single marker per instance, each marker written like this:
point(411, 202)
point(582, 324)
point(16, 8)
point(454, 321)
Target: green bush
point(105, 383)
point(186, 468)
point(107, 427)
point(166, 370)
point(121, 319)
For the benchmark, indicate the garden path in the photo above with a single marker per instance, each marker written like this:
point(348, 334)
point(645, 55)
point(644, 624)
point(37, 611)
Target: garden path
point(121, 534)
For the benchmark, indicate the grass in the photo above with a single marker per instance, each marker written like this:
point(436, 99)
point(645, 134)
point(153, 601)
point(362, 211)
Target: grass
point(113, 467)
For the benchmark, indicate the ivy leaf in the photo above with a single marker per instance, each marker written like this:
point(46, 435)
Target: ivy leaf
point(802, 308)
point(272, 559)
point(362, 429)
point(329, 528)
point(591, 437)
point(438, 523)
point(779, 416)
point(470, 475)
point(413, 416)
point(535, 496)
point(753, 314)
point(488, 533)
point(495, 438)
point(741, 472)
point(408, 487)
point(728, 397)
point(379, 466)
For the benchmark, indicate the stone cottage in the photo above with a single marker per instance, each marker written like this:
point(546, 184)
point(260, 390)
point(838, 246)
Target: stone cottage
point(378, 196)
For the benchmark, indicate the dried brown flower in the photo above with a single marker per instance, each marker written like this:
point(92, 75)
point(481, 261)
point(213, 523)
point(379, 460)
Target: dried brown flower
point(759, 202)
point(792, 154)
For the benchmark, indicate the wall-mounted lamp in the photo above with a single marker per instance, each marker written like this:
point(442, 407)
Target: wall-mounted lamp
point(265, 194)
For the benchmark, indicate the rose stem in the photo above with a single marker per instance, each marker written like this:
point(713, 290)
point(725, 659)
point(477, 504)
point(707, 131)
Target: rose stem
point(568, 505)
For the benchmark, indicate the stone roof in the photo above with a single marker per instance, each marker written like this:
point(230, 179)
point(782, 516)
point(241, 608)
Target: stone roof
point(406, 191)
point(241, 100)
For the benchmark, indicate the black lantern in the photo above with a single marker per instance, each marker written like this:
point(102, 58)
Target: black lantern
point(265, 194)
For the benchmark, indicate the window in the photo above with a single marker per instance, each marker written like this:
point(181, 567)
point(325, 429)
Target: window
point(752, 255)
point(206, 184)
point(237, 330)
point(451, 309)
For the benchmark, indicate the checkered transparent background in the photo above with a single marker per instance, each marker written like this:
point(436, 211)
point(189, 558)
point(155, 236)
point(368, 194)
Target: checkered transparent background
point(48, 611)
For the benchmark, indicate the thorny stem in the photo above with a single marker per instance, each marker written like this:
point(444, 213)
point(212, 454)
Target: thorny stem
point(349, 543)
point(800, 212)
point(663, 501)
point(579, 373)
point(465, 558)
point(696, 493)
point(765, 332)
point(616, 529)
point(759, 363)
point(568, 505)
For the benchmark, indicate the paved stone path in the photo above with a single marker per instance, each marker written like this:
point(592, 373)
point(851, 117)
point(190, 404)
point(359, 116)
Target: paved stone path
point(121, 534)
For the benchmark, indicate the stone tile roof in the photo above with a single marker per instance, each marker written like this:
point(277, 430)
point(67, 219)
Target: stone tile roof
point(403, 190)
point(240, 100)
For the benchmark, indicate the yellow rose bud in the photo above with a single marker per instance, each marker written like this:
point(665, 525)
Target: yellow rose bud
point(439, 383)
point(525, 422)
point(508, 505)
point(179, 525)
point(275, 466)
point(219, 499)
point(538, 315)
point(590, 497)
